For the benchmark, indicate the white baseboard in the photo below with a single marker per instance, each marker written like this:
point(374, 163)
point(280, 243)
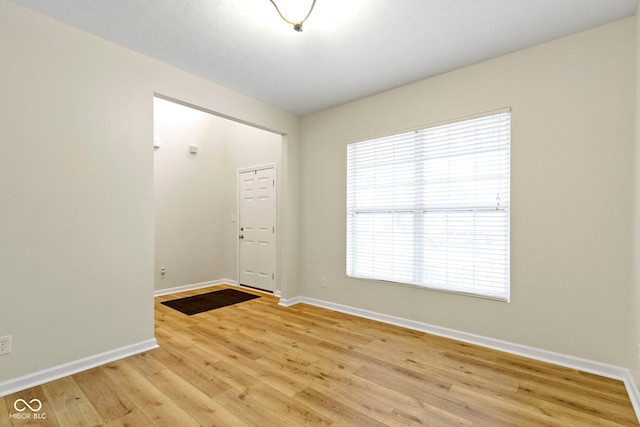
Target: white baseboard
point(585, 365)
point(634, 393)
point(160, 292)
point(195, 286)
point(64, 370)
point(296, 300)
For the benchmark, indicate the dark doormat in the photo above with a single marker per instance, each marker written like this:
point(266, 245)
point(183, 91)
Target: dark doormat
point(209, 301)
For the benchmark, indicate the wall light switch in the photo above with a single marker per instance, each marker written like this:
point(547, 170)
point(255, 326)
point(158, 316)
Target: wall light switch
point(193, 149)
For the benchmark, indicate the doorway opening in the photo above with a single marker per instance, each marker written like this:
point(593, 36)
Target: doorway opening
point(197, 157)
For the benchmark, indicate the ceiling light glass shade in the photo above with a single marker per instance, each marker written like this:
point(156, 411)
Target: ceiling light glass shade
point(294, 12)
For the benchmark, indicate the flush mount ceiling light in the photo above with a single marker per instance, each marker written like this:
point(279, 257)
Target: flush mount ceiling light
point(297, 25)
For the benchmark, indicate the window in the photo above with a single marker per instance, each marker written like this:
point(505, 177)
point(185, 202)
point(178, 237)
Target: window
point(431, 207)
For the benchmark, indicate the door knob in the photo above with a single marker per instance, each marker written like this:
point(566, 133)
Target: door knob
point(241, 236)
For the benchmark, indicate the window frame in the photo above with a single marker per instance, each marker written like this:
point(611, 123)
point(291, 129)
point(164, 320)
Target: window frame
point(446, 210)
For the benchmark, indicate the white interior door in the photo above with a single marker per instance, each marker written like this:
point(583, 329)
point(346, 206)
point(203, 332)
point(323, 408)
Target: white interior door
point(257, 212)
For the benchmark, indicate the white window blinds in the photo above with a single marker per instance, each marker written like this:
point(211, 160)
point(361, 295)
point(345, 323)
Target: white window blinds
point(431, 207)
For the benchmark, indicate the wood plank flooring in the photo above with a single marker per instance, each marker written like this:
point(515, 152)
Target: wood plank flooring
point(259, 364)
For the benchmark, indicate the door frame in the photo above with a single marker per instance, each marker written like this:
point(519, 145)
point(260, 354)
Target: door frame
point(277, 291)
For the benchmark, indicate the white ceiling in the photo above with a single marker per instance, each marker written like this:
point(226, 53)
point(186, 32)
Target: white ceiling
point(349, 48)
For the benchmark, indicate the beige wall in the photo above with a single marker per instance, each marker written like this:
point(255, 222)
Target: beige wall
point(634, 300)
point(76, 184)
point(572, 168)
point(247, 147)
point(189, 194)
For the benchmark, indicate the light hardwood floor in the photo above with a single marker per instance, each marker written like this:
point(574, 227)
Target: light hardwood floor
point(259, 364)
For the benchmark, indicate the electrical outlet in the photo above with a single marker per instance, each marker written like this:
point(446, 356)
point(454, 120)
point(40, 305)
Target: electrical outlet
point(5, 344)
